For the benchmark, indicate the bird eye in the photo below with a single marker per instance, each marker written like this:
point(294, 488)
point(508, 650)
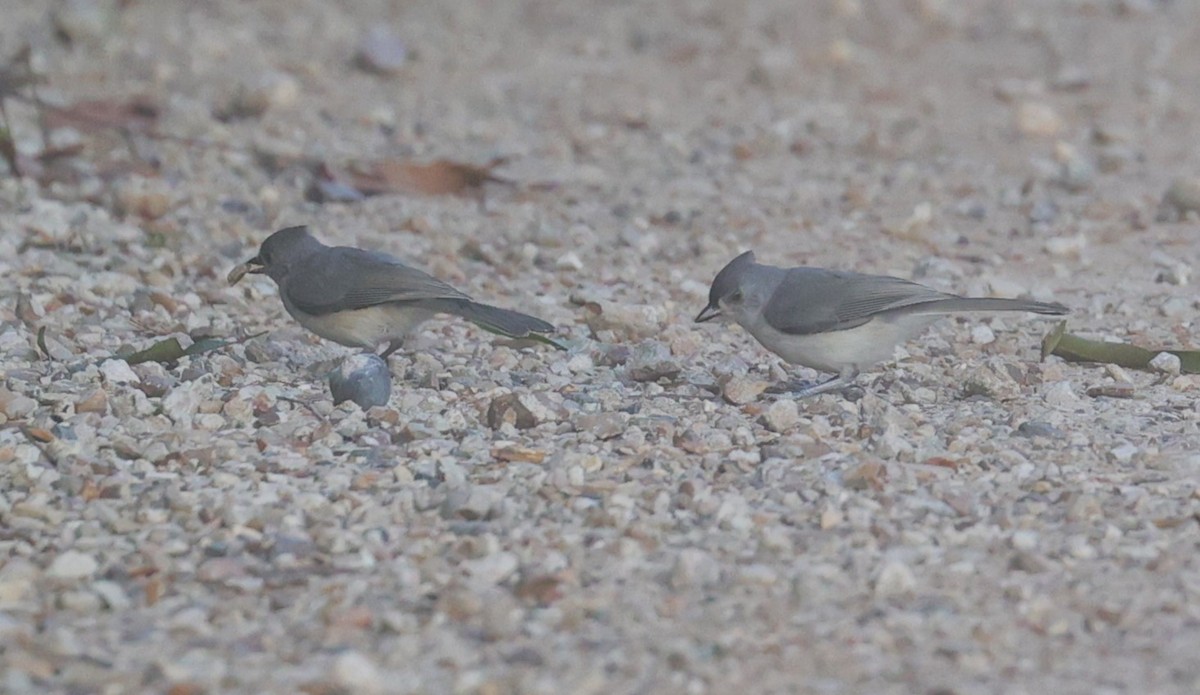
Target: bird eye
point(735, 296)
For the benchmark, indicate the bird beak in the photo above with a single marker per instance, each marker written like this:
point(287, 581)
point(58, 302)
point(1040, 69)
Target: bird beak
point(709, 313)
point(254, 265)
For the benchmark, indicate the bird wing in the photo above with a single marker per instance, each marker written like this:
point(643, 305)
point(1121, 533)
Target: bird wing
point(345, 279)
point(814, 300)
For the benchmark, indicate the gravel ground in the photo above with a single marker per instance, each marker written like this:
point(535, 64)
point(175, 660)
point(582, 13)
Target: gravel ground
point(638, 514)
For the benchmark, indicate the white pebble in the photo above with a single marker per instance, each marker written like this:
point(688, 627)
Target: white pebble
point(354, 672)
point(895, 579)
point(118, 372)
point(1166, 363)
point(982, 334)
point(72, 565)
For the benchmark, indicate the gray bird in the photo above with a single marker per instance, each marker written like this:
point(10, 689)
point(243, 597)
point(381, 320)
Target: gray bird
point(363, 298)
point(833, 320)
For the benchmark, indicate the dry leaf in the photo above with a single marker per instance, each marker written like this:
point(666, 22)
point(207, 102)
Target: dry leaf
point(137, 113)
point(440, 177)
point(519, 454)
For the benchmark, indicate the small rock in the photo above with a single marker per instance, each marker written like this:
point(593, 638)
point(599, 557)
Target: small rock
point(142, 197)
point(1122, 453)
point(740, 390)
point(95, 402)
point(382, 52)
point(1043, 211)
point(72, 565)
point(111, 593)
point(782, 415)
point(508, 409)
point(1060, 394)
point(651, 360)
point(1182, 196)
point(1067, 246)
point(354, 673)
point(895, 579)
point(1084, 508)
point(493, 568)
point(363, 379)
point(253, 97)
point(569, 261)
point(602, 425)
point(183, 401)
point(1025, 541)
point(1077, 172)
point(1038, 119)
point(16, 406)
point(694, 567)
point(118, 372)
point(1166, 363)
point(982, 334)
point(1176, 307)
point(1117, 390)
point(84, 20)
point(473, 503)
point(1037, 428)
point(630, 321)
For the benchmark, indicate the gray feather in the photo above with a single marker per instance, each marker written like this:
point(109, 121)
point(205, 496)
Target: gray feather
point(507, 322)
point(344, 279)
point(814, 300)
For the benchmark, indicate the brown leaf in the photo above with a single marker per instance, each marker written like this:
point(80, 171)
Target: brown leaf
point(542, 589)
point(942, 461)
point(519, 454)
point(137, 113)
point(440, 177)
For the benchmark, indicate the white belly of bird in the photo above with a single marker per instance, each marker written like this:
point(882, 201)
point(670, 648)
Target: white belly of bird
point(366, 328)
point(860, 347)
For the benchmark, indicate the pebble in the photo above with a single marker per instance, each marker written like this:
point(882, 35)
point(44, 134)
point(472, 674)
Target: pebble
point(1038, 428)
point(1122, 453)
point(84, 20)
point(118, 372)
point(15, 406)
point(1060, 394)
point(694, 567)
point(142, 197)
point(1117, 390)
point(782, 415)
point(72, 565)
point(356, 674)
point(473, 503)
point(1025, 540)
point(363, 379)
point(1038, 119)
point(629, 321)
point(895, 579)
point(651, 360)
point(1176, 307)
point(95, 402)
point(521, 410)
point(111, 593)
point(982, 334)
point(1067, 246)
point(1166, 363)
point(602, 426)
point(382, 52)
point(739, 390)
point(1182, 196)
point(569, 261)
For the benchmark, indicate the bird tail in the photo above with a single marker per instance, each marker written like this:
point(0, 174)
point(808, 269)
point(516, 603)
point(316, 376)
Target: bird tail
point(955, 305)
point(506, 322)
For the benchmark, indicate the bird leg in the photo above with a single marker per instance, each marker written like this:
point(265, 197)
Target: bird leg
point(844, 379)
point(393, 345)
